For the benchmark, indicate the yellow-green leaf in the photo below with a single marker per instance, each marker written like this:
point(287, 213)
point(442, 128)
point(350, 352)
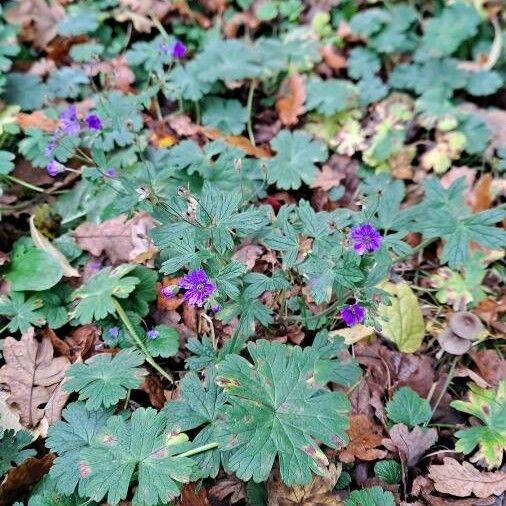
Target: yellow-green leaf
point(402, 321)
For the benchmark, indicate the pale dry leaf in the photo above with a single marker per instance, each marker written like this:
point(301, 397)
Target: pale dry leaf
point(121, 240)
point(411, 445)
point(55, 405)
point(319, 492)
point(291, 97)
point(462, 480)
point(365, 437)
point(248, 255)
point(36, 119)
point(116, 72)
point(31, 374)
point(327, 178)
point(354, 334)
point(9, 416)
point(465, 372)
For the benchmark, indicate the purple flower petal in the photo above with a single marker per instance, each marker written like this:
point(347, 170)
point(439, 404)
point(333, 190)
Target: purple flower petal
point(178, 50)
point(167, 291)
point(93, 122)
point(54, 168)
point(198, 287)
point(69, 122)
point(353, 314)
point(152, 334)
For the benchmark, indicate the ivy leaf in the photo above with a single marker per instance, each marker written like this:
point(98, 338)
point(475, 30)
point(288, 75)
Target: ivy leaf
point(199, 405)
point(22, 313)
point(96, 296)
point(374, 496)
point(294, 163)
point(227, 116)
point(402, 321)
point(274, 411)
point(135, 450)
point(165, 344)
point(330, 96)
point(489, 406)
point(408, 407)
point(13, 448)
point(78, 427)
point(103, 379)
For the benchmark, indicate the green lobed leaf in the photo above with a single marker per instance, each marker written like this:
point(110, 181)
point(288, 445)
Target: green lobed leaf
point(407, 407)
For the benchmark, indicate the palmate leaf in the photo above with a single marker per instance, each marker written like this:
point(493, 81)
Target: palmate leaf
point(275, 410)
point(294, 163)
point(67, 437)
point(13, 448)
point(489, 406)
point(374, 496)
point(135, 450)
point(408, 407)
point(103, 379)
point(96, 296)
point(200, 405)
point(331, 96)
point(22, 313)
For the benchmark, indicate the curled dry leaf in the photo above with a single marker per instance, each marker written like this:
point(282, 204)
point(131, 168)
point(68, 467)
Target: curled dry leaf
point(410, 445)
point(192, 495)
point(9, 416)
point(230, 487)
point(121, 240)
point(463, 480)
point(31, 374)
point(353, 334)
point(364, 436)
point(248, 255)
point(36, 119)
point(316, 493)
point(291, 97)
point(491, 365)
point(153, 386)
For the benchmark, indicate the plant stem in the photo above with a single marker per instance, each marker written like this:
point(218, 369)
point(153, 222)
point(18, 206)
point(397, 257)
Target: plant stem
point(249, 107)
point(159, 26)
point(211, 326)
point(443, 390)
point(128, 324)
point(24, 183)
point(199, 449)
point(416, 249)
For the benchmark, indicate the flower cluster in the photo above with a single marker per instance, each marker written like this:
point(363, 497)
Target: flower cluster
point(70, 125)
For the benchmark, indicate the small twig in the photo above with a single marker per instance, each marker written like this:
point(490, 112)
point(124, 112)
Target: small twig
point(211, 326)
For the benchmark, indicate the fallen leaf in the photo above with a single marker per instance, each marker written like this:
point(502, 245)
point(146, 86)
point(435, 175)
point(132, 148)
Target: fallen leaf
point(55, 405)
point(21, 477)
point(465, 372)
point(402, 321)
point(327, 178)
point(116, 73)
point(248, 255)
point(490, 311)
point(152, 385)
point(31, 374)
point(38, 20)
point(333, 59)
point(190, 496)
point(9, 416)
point(81, 341)
point(168, 303)
point(121, 240)
point(317, 493)
point(232, 25)
point(481, 195)
point(291, 97)
point(353, 334)
point(491, 364)
point(410, 445)
point(462, 480)
point(230, 487)
point(36, 119)
point(438, 501)
point(364, 436)
point(237, 141)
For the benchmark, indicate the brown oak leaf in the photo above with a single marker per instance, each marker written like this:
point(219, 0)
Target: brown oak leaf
point(31, 374)
point(410, 445)
point(289, 104)
point(317, 493)
point(121, 240)
point(491, 365)
point(462, 480)
point(364, 436)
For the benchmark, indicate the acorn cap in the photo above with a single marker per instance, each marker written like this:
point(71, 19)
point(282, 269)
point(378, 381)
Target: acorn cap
point(466, 325)
point(452, 343)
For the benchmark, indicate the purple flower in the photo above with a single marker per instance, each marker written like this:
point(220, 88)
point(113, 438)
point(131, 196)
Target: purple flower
point(93, 122)
point(198, 287)
point(110, 172)
point(54, 168)
point(178, 50)
point(113, 332)
point(215, 308)
point(152, 334)
point(163, 47)
point(69, 122)
point(50, 147)
point(353, 314)
point(366, 238)
point(167, 291)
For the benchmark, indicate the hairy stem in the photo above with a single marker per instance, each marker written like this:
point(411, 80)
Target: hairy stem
point(24, 183)
point(138, 341)
point(199, 449)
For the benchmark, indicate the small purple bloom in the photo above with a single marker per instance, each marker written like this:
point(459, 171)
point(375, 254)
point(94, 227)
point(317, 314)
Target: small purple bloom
point(168, 291)
point(54, 168)
point(152, 334)
point(93, 122)
point(353, 314)
point(111, 172)
point(366, 238)
point(95, 265)
point(113, 332)
point(198, 287)
point(69, 122)
point(178, 50)
point(50, 147)
point(163, 48)
point(216, 308)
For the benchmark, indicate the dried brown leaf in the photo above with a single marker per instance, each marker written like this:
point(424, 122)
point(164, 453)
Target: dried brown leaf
point(365, 437)
point(248, 255)
point(36, 119)
point(481, 198)
point(462, 480)
point(327, 178)
point(491, 364)
point(168, 303)
point(31, 374)
point(9, 416)
point(230, 486)
point(317, 493)
point(81, 341)
point(190, 496)
point(121, 240)
point(153, 386)
point(410, 445)
point(291, 97)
